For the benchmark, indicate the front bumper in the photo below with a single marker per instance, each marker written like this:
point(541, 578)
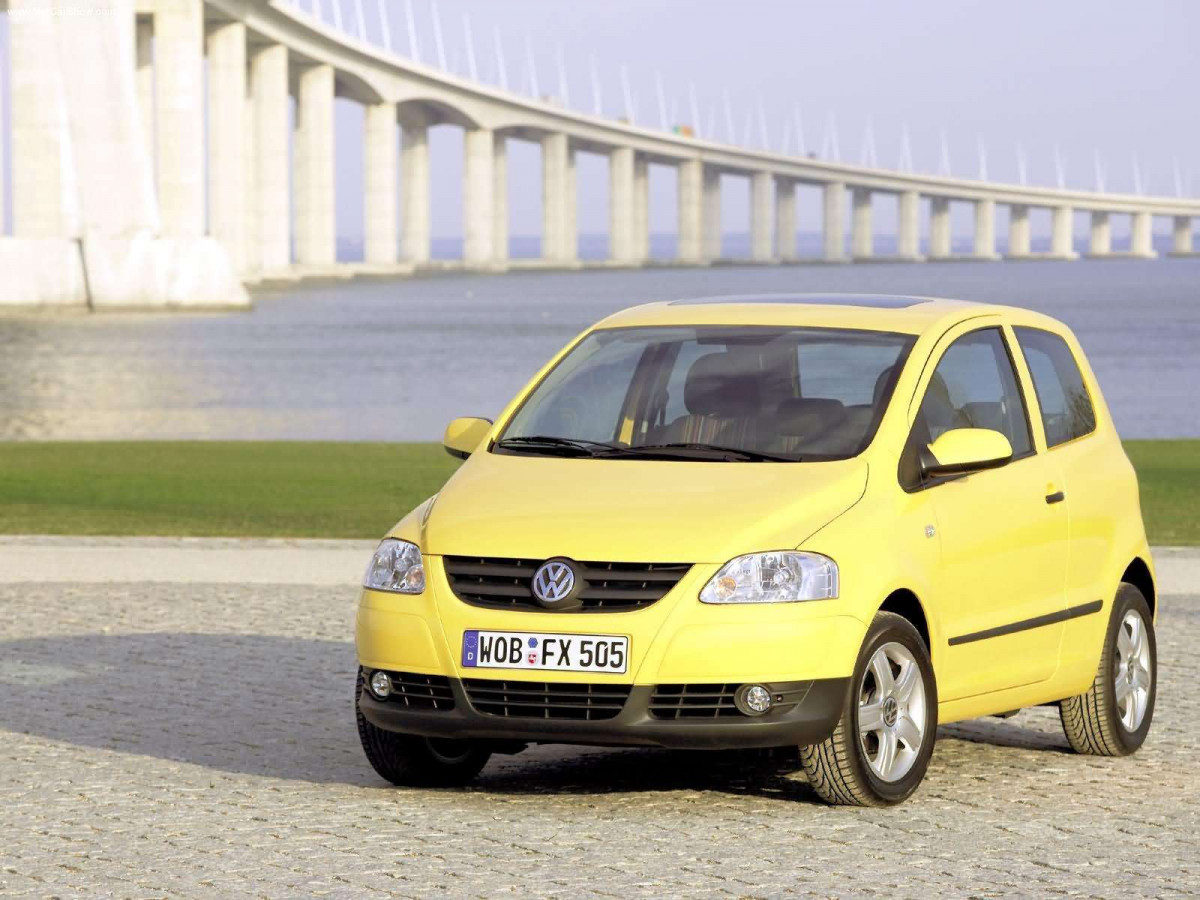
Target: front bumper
point(808, 721)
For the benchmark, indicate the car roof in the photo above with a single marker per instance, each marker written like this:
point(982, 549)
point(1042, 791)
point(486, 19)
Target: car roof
point(873, 312)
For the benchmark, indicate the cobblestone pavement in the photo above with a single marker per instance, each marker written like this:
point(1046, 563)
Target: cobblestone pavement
point(198, 740)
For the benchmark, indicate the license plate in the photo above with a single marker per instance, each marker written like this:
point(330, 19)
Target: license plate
point(547, 652)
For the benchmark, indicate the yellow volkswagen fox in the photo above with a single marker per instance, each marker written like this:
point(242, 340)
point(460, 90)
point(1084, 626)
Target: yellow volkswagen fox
point(826, 522)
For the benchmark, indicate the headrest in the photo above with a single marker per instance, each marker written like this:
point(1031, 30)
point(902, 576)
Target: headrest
point(723, 385)
point(937, 406)
point(809, 416)
point(881, 384)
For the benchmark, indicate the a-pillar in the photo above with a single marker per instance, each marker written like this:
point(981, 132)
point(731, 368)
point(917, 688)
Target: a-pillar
point(785, 219)
point(621, 229)
point(179, 115)
point(862, 238)
point(316, 236)
point(1141, 241)
point(710, 226)
point(558, 237)
point(834, 222)
point(414, 175)
point(908, 236)
point(1018, 231)
point(381, 157)
point(641, 208)
point(939, 228)
point(1181, 236)
point(1062, 241)
point(143, 49)
point(226, 140)
point(985, 229)
point(1100, 243)
point(761, 184)
point(478, 157)
point(499, 199)
point(271, 201)
point(691, 211)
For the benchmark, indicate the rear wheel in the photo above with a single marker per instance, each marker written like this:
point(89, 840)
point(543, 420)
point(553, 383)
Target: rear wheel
point(880, 749)
point(1113, 716)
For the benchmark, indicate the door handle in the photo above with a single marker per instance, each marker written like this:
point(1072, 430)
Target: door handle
point(1056, 497)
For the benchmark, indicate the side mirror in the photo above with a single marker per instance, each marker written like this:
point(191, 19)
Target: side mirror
point(464, 435)
point(962, 450)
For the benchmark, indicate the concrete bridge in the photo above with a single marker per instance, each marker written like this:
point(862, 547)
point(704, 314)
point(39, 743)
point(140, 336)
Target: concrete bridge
point(123, 197)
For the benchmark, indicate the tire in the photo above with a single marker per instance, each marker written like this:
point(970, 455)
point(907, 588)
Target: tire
point(1100, 722)
point(842, 769)
point(410, 760)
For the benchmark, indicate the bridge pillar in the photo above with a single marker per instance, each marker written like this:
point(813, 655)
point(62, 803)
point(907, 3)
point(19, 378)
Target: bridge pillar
point(862, 239)
point(143, 50)
point(908, 226)
point(621, 228)
point(414, 176)
point(1141, 241)
point(1100, 243)
point(558, 195)
point(691, 214)
point(500, 198)
point(761, 184)
point(316, 236)
point(1018, 231)
point(940, 245)
point(478, 158)
point(226, 140)
point(785, 219)
point(179, 119)
point(271, 201)
point(710, 225)
point(571, 216)
point(985, 229)
point(641, 208)
point(1181, 235)
point(833, 221)
point(1062, 242)
point(381, 163)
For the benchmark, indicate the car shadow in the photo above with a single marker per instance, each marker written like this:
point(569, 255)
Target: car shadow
point(282, 707)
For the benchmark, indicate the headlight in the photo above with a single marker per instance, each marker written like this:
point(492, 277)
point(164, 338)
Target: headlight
point(782, 576)
point(397, 567)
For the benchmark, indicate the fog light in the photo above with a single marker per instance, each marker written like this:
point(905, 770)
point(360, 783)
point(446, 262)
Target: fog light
point(381, 685)
point(753, 699)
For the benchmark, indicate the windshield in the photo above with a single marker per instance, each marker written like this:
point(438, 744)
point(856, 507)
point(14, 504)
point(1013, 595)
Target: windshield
point(712, 392)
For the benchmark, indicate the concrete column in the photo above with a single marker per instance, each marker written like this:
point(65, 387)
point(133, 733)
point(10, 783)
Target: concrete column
point(144, 81)
point(621, 229)
point(478, 156)
point(1062, 242)
point(253, 232)
point(1018, 230)
point(499, 198)
point(571, 213)
point(710, 225)
point(785, 219)
point(908, 227)
point(691, 218)
point(381, 158)
point(179, 115)
point(641, 208)
point(316, 234)
point(272, 200)
point(940, 246)
point(834, 224)
point(985, 229)
point(555, 151)
point(226, 141)
point(414, 175)
point(1100, 243)
point(1181, 235)
point(761, 184)
point(862, 238)
point(1141, 239)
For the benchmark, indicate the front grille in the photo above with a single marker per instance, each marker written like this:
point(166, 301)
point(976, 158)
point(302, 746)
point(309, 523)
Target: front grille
point(608, 586)
point(543, 700)
point(418, 691)
point(694, 701)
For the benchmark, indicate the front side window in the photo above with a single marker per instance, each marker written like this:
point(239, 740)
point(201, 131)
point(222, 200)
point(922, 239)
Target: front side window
point(713, 392)
point(1066, 408)
point(973, 386)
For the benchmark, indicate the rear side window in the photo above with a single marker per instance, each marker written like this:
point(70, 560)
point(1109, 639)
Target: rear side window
point(1067, 411)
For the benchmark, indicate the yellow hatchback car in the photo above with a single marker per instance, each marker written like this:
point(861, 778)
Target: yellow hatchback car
point(827, 522)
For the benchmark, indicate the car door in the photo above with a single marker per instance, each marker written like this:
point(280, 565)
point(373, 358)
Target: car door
point(1003, 543)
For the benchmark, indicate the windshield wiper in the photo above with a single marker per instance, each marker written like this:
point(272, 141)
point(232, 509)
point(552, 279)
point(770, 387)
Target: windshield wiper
point(544, 443)
point(698, 451)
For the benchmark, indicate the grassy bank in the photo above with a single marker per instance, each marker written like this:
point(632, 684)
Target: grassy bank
point(344, 490)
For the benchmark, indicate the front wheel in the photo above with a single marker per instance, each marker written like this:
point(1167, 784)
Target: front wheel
point(880, 749)
point(1113, 716)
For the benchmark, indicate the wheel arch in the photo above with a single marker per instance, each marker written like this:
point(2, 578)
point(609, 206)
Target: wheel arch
point(1138, 574)
point(907, 605)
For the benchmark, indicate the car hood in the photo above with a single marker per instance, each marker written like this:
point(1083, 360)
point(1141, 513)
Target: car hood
point(634, 510)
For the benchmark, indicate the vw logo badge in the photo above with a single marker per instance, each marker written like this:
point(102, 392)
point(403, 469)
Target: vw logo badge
point(553, 582)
